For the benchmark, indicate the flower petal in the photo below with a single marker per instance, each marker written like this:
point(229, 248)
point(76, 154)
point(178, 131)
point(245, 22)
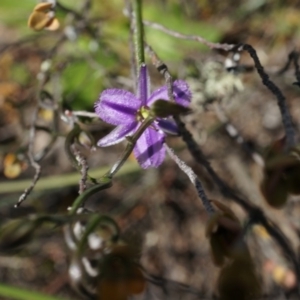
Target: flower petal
point(181, 92)
point(168, 126)
point(149, 150)
point(143, 89)
point(117, 107)
point(117, 135)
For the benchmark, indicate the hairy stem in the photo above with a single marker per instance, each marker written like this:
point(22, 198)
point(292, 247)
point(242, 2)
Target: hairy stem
point(131, 143)
point(138, 33)
point(193, 178)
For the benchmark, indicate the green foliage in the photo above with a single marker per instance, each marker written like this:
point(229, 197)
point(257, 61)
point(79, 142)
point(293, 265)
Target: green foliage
point(81, 85)
point(14, 13)
point(170, 48)
point(20, 73)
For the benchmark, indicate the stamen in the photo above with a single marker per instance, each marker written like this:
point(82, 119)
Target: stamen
point(143, 113)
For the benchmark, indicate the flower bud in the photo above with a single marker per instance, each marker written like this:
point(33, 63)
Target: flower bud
point(281, 174)
point(293, 173)
point(274, 188)
point(164, 109)
point(223, 231)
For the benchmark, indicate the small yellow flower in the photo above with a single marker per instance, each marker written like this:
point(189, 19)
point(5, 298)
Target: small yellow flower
point(43, 17)
point(13, 166)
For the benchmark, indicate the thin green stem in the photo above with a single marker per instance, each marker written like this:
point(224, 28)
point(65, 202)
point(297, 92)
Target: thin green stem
point(13, 292)
point(138, 33)
point(131, 143)
point(106, 183)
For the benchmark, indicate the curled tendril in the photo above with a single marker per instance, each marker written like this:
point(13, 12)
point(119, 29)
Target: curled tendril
point(90, 243)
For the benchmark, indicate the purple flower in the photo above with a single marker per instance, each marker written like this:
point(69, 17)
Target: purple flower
point(127, 111)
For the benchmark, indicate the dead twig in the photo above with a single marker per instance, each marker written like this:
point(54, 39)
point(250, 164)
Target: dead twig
point(84, 169)
point(32, 161)
point(197, 38)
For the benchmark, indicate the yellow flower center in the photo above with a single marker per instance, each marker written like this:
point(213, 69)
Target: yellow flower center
point(143, 113)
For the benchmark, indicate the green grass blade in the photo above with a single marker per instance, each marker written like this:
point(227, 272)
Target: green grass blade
point(16, 293)
point(63, 180)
